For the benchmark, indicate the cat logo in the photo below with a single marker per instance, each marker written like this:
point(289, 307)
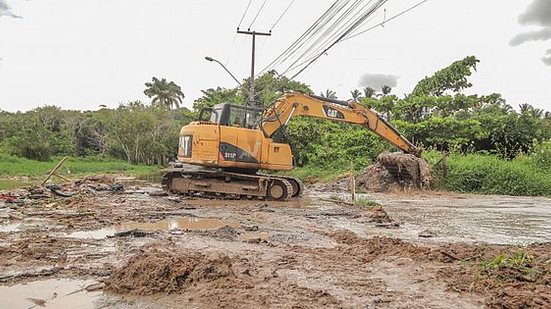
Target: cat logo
point(332, 113)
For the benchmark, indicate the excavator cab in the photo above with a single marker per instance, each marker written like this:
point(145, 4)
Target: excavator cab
point(227, 114)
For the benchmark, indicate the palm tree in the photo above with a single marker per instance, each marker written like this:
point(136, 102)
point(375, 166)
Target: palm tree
point(369, 92)
point(356, 95)
point(525, 108)
point(547, 115)
point(329, 94)
point(530, 110)
point(165, 94)
point(386, 90)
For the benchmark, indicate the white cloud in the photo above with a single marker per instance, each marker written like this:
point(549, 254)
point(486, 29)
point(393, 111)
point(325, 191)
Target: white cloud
point(547, 58)
point(539, 35)
point(5, 10)
point(537, 13)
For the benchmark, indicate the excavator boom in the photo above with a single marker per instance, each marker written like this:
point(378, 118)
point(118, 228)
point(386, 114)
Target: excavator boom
point(296, 104)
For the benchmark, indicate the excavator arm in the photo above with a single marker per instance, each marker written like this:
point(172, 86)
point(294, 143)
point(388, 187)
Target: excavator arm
point(295, 104)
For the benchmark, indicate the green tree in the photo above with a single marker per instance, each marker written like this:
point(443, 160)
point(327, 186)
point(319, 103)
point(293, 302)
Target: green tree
point(219, 95)
point(165, 94)
point(453, 77)
point(329, 94)
point(369, 92)
point(356, 95)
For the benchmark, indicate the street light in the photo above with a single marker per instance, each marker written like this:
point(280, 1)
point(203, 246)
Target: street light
point(220, 63)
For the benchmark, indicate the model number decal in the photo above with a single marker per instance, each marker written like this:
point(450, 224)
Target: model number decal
point(230, 155)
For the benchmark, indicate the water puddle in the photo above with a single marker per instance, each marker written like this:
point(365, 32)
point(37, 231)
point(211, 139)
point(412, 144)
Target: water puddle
point(28, 224)
point(49, 294)
point(9, 228)
point(171, 224)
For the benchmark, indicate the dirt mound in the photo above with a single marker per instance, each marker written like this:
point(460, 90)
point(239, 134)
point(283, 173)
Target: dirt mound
point(508, 276)
point(511, 277)
point(373, 248)
point(164, 270)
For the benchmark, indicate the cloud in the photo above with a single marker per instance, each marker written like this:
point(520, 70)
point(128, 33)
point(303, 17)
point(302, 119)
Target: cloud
point(537, 13)
point(376, 81)
point(539, 35)
point(5, 10)
point(547, 58)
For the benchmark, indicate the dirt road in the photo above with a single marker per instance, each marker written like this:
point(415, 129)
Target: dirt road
point(132, 250)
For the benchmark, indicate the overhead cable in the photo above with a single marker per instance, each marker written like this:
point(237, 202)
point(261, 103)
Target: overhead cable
point(283, 14)
point(385, 21)
point(258, 13)
point(301, 37)
point(346, 33)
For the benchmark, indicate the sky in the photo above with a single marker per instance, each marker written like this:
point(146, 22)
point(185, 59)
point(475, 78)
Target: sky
point(86, 53)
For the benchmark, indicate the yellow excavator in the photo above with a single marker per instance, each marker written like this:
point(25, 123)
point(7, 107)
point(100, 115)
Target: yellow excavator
point(221, 156)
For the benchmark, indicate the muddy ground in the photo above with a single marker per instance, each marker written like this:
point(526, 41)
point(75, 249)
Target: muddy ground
point(128, 249)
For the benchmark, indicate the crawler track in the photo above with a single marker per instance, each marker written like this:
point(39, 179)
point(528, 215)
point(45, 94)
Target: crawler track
point(229, 185)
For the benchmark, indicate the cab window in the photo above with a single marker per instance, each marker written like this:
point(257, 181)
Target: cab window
point(215, 115)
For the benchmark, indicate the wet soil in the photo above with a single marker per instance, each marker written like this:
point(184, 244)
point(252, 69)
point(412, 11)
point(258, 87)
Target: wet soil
point(169, 251)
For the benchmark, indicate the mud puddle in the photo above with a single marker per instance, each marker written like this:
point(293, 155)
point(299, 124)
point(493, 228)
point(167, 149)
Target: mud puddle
point(171, 224)
point(492, 219)
point(28, 224)
point(49, 294)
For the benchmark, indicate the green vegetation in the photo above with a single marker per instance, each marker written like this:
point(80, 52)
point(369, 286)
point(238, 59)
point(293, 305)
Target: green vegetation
point(488, 174)
point(494, 148)
point(366, 202)
point(11, 166)
point(518, 261)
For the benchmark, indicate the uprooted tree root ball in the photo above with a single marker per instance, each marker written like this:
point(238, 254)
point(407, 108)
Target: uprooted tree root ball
point(162, 270)
point(407, 168)
point(392, 172)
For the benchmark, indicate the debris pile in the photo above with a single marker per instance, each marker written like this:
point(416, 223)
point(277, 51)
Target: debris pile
point(88, 185)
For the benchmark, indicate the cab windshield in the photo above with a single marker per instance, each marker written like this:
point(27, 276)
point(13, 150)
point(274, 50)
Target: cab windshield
point(236, 116)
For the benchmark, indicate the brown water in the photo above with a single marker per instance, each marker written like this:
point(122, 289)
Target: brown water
point(488, 218)
point(54, 294)
point(181, 223)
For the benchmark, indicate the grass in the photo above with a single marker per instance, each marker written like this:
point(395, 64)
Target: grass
point(487, 174)
point(313, 174)
point(366, 202)
point(519, 261)
point(16, 172)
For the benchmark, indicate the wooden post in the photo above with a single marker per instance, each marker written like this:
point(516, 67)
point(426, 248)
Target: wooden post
point(445, 165)
point(52, 172)
point(353, 187)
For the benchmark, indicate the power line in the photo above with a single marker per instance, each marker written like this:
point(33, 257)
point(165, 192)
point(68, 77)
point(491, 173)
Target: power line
point(244, 13)
point(302, 36)
point(332, 32)
point(314, 59)
point(347, 32)
point(314, 33)
point(315, 53)
point(258, 13)
point(283, 14)
point(386, 21)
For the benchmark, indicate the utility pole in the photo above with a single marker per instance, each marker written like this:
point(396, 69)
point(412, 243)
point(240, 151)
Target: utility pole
point(254, 34)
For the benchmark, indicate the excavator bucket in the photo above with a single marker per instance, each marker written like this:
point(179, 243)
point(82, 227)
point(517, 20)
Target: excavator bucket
point(407, 168)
